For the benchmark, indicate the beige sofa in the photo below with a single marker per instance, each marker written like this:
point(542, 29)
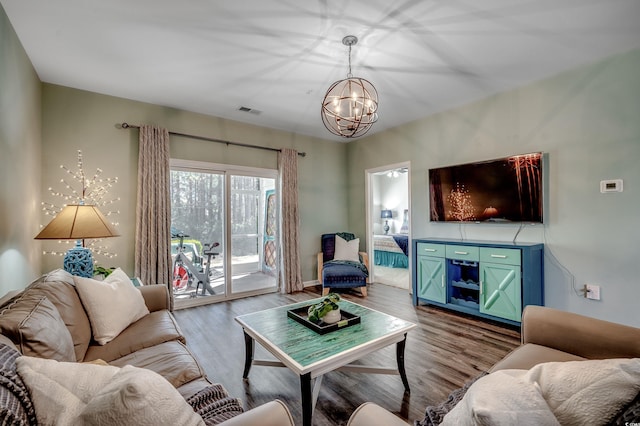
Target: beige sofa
point(547, 335)
point(37, 321)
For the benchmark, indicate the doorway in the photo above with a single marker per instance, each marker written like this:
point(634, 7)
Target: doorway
point(389, 224)
point(227, 217)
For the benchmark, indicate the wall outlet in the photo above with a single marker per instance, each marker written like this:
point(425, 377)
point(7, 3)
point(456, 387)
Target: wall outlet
point(593, 292)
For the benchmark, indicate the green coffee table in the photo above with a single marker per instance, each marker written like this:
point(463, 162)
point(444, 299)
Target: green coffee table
point(311, 355)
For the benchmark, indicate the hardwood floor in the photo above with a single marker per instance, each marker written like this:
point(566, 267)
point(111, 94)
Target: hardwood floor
point(442, 353)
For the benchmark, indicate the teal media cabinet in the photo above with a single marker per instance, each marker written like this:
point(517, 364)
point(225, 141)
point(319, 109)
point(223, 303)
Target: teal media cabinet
point(493, 280)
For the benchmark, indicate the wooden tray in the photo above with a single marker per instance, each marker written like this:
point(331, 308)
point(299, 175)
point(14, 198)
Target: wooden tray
point(300, 315)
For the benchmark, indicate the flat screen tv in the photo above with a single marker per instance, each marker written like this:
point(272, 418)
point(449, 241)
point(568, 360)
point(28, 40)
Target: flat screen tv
point(505, 190)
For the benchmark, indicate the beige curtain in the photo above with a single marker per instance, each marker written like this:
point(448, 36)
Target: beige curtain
point(153, 210)
point(290, 279)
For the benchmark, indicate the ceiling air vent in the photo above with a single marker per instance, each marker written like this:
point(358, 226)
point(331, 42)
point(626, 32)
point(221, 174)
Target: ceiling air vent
point(249, 110)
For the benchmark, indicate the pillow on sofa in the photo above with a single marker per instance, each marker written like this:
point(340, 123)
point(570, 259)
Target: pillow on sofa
point(574, 392)
point(138, 396)
point(60, 390)
point(34, 325)
point(501, 398)
point(60, 289)
point(112, 304)
point(73, 393)
point(587, 392)
point(347, 250)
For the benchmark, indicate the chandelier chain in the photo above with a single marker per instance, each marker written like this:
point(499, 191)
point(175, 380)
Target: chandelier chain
point(349, 75)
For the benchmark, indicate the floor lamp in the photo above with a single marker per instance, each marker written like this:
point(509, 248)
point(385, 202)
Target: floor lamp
point(78, 222)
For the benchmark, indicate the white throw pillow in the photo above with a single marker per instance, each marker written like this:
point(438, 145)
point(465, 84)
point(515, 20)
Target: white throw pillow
point(112, 305)
point(346, 250)
point(136, 396)
point(69, 393)
point(61, 390)
point(501, 398)
point(587, 392)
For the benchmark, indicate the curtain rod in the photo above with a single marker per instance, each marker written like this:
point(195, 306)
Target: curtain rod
point(203, 138)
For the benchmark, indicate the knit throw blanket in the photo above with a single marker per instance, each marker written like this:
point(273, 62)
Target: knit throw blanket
point(15, 404)
point(214, 405)
point(358, 265)
point(434, 414)
point(347, 236)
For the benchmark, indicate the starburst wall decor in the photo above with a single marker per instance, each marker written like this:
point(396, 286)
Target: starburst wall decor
point(80, 189)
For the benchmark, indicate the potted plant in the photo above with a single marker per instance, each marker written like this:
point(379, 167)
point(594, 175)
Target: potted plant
point(327, 310)
point(100, 272)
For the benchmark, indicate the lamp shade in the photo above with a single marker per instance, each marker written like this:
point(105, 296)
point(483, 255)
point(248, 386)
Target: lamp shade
point(77, 222)
point(386, 214)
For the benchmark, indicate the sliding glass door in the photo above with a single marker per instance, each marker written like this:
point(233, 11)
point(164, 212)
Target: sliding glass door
point(226, 218)
point(253, 226)
point(197, 220)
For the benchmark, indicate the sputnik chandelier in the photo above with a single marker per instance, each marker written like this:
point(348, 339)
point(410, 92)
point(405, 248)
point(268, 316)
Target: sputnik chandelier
point(350, 106)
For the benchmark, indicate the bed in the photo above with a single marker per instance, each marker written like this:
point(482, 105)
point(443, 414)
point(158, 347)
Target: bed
point(391, 251)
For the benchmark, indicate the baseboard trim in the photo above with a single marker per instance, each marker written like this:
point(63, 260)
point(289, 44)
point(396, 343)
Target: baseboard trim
point(312, 283)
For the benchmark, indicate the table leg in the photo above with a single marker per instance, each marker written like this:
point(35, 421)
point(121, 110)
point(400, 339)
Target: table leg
point(248, 350)
point(400, 358)
point(307, 402)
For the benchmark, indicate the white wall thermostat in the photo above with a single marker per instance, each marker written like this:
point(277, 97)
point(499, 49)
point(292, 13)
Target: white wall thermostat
point(613, 185)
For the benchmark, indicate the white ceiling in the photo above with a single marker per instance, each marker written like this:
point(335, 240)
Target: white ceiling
point(280, 56)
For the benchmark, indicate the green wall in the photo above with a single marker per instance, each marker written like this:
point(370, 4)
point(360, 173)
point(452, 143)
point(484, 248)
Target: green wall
point(588, 122)
point(19, 162)
point(79, 120)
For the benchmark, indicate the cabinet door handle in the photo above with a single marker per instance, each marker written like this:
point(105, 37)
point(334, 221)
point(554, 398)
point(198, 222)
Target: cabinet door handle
point(431, 250)
point(499, 256)
point(442, 280)
point(461, 252)
point(480, 287)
